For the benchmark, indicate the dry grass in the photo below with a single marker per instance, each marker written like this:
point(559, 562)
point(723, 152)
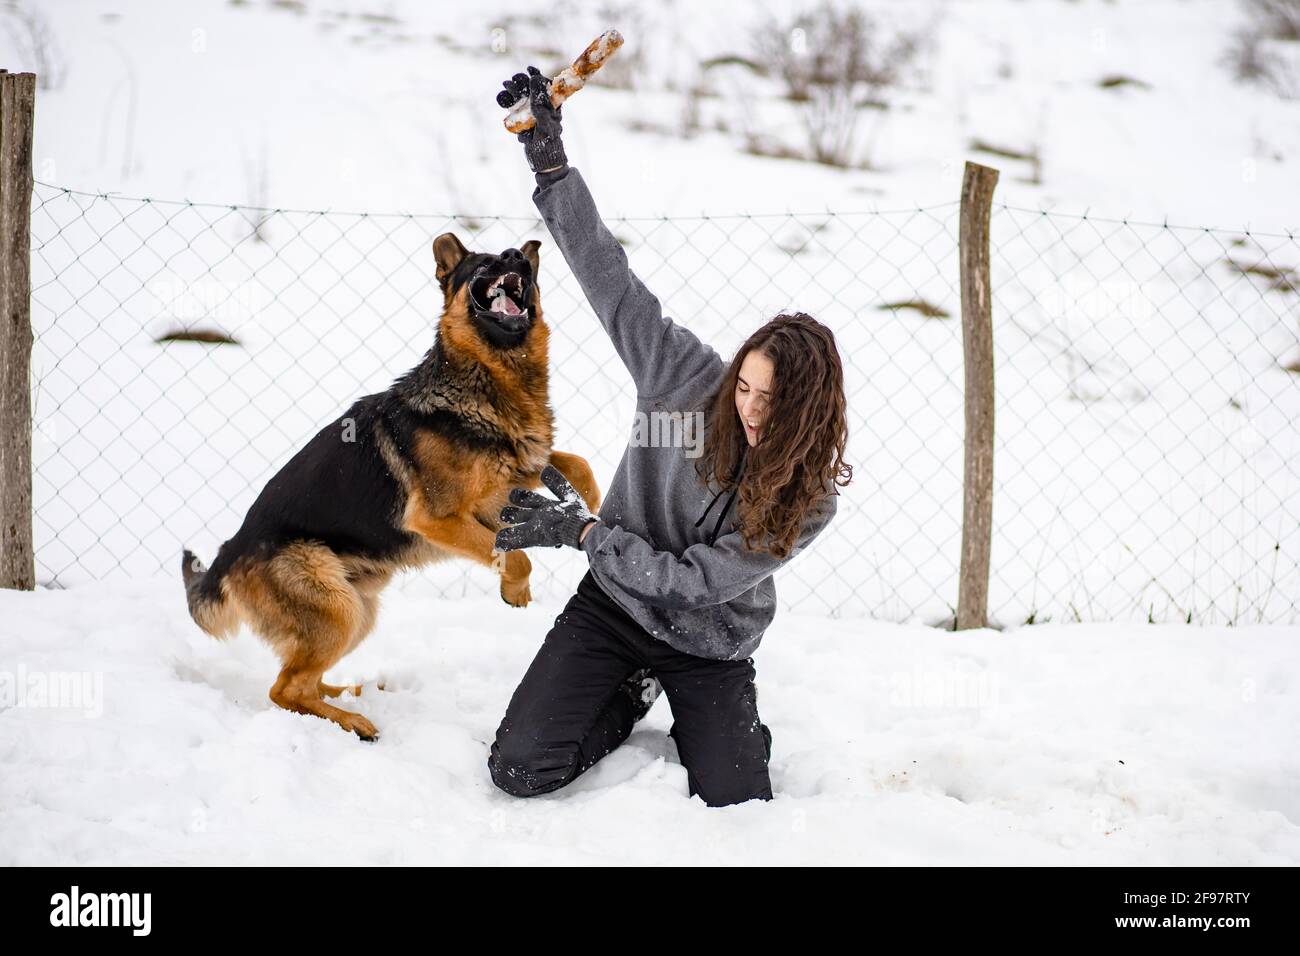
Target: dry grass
point(205, 336)
point(927, 309)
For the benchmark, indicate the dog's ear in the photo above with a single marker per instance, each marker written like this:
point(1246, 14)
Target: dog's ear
point(447, 253)
point(529, 249)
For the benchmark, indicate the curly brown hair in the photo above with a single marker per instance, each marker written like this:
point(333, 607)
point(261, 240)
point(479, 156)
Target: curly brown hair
point(801, 453)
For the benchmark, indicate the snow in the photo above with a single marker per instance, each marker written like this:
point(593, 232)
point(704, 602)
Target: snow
point(1082, 744)
point(1146, 462)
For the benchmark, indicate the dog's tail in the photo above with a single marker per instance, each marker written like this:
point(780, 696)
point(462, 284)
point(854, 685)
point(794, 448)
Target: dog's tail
point(209, 606)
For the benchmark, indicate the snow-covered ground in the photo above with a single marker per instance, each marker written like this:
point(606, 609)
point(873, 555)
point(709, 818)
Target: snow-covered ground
point(1147, 433)
point(1052, 744)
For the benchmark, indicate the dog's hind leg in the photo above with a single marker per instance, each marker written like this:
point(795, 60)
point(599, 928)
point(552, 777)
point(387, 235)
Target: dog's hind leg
point(333, 690)
point(312, 615)
point(368, 588)
point(298, 689)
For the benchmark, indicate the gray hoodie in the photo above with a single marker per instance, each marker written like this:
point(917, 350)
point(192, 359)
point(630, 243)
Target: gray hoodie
point(686, 577)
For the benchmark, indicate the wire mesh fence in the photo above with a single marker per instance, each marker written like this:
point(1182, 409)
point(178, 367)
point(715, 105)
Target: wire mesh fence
point(1148, 425)
point(1148, 459)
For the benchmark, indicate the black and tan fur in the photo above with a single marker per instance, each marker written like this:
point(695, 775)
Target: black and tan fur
point(428, 468)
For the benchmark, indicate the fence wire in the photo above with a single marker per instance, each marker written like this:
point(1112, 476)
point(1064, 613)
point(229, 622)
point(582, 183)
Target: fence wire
point(1147, 460)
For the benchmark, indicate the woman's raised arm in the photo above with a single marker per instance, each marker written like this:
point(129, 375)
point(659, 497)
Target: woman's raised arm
point(659, 354)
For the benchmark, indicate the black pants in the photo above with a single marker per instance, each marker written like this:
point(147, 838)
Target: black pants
point(570, 709)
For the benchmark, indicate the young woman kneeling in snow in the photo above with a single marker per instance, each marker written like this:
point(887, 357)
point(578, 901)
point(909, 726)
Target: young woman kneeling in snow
point(672, 600)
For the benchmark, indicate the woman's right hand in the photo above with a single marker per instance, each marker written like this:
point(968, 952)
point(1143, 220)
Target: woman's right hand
point(542, 145)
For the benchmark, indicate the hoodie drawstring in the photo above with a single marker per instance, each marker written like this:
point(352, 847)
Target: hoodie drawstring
point(700, 520)
point(740, 468)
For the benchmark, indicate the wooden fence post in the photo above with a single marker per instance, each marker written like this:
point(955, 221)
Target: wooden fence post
point(17, 557)
point(977, 187)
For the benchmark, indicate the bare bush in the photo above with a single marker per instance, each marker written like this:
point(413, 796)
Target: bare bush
point(834, 62)
point(627, 69)
point(34, 37)
point(1276, 19)
point(1256, 53)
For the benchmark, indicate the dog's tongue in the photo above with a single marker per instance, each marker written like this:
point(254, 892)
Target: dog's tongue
point(503, 304)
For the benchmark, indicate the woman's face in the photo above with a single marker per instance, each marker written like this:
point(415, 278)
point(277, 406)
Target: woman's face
point(754, 385)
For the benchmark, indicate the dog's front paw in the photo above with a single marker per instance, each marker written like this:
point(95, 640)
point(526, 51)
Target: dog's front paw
point(516, 593)
point(515, 572)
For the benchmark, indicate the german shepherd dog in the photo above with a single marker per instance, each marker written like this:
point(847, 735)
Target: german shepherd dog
point(406, 477)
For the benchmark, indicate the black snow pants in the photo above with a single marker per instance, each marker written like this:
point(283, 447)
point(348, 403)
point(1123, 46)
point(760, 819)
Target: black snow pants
point(570, 709)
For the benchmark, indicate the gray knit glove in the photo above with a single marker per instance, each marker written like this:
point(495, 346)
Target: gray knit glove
point(542, 145)
point(539, 521)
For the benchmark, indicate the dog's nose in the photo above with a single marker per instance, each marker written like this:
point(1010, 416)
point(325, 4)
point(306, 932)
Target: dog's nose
point(511, 254)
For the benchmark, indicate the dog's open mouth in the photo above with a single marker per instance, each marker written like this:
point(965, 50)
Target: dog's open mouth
point(501, 295)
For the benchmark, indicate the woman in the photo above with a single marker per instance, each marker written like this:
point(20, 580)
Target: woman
point(669, 601)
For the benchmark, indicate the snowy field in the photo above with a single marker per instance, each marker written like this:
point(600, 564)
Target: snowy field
point(1052, 744)
point(1146, 460)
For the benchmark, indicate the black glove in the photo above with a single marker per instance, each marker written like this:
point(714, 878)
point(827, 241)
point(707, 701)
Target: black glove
point(542, 145)
point(538, 521)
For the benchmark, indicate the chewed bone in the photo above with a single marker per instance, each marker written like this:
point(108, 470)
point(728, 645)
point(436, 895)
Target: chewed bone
point(569, 80)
